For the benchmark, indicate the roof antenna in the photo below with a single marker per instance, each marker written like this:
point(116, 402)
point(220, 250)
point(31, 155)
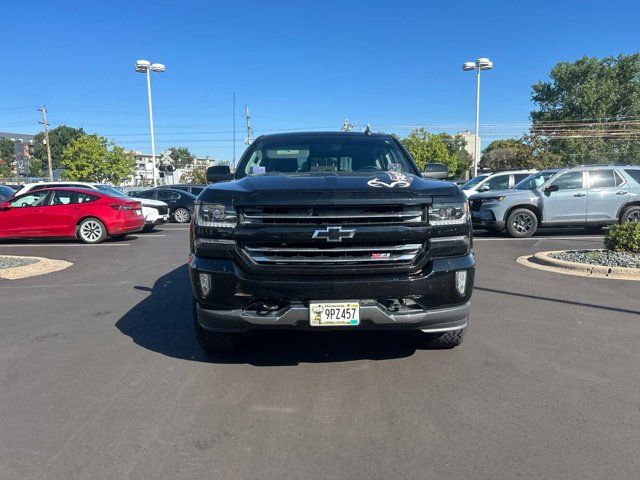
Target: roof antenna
point(367, 130)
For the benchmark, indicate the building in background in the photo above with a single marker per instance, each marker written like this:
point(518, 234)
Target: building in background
point(470, 147)
point(143, 176)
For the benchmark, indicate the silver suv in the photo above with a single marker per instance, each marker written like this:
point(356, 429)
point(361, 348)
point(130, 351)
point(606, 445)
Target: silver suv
point(590, 197)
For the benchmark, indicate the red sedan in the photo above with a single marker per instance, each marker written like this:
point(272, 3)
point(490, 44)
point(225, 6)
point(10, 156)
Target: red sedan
point(88, 215)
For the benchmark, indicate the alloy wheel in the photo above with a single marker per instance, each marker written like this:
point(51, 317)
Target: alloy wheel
point(522, 223)
point(181, 215)
point(634, 216)
point(91, 231)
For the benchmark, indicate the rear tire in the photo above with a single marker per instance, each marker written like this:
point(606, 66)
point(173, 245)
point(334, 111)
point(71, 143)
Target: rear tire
point(91, 231)
point(630, 214)
point(214, 342)
point(522, 223)
point(444, 340)
point(182, 215)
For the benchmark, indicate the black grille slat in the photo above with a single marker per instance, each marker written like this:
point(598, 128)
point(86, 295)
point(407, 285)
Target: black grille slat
point(334, 215)
point(339, 255)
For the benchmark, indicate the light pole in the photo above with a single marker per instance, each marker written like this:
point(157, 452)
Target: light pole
point(478, 65)
point(145, 66)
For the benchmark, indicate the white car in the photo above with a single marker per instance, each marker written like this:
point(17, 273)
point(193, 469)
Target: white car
point(155, 212)
point(503, 180)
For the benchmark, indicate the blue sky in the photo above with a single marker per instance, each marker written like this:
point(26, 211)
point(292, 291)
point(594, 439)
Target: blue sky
point(298, 65)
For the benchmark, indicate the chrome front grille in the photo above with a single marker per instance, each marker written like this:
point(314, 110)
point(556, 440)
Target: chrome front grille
point(332, 215)
point(338, 255)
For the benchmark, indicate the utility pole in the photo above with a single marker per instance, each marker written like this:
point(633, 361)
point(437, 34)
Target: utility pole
point(346, 126)
point(234, 130)
point(46, 139)
point(247, 140)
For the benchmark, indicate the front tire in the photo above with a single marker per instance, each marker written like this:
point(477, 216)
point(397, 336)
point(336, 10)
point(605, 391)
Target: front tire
point(522, 223)
point(182, 215)
point(213, 342)
point(91, 231)
point(630, 214)
point(444, 340)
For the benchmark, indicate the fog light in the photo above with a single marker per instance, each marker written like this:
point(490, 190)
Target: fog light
point(205, 284)
point(461, 281)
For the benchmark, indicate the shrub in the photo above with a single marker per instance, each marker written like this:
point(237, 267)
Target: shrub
point(624, 237)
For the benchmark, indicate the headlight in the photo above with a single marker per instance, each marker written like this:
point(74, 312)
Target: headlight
point(215, 215)
point(454, 213)
point(493, 199)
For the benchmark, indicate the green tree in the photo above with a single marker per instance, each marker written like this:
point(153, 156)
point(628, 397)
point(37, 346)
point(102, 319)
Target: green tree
point(7, 156)
point(456, 147)
point(588, 110)
point(529, 151)
point(181, 156)
point(59, 138)
point(426, 148)
point(507, 154)
point(91, 158)
point(197, 175)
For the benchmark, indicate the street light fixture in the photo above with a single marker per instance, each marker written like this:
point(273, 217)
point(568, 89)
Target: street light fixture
point(478, 65)
point(145, 66)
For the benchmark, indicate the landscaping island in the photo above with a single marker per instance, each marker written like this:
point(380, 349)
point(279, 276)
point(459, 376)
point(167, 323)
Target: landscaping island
point(620, 260)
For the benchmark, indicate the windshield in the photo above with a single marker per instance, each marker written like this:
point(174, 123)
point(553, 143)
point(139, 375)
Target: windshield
point(474, 181)
point(534, 181)
point(109, 190)
point(330, 154)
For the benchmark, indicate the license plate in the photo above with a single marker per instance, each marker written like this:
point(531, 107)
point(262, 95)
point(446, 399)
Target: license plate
point(334, 314)
point(138, 211)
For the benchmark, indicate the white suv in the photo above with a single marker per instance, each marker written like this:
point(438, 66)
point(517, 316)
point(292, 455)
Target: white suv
point(503, 180)
point(155, 212)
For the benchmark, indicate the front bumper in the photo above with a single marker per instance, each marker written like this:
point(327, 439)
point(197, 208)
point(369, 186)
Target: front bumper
point(153, 217)
point(374, 316)
point(485, 219)
point(432, 301)
point(159, 220)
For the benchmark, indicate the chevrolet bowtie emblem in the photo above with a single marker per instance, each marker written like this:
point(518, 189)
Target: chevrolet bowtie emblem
point(334, 234)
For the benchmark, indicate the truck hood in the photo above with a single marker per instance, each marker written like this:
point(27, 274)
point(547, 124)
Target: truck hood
point(374, 185)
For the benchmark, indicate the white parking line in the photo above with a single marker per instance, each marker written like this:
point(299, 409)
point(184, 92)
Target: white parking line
point(481, 239)
point(145, 235)
point(64, 245)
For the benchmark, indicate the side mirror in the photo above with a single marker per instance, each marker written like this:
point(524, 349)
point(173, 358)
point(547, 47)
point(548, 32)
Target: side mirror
point(218, 173)
point(5, 206)
point(437, 171)
point(484, 188)
point(552, 188)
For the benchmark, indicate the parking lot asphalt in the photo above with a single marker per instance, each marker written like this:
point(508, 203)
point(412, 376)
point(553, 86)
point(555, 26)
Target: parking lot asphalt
point(101, 377)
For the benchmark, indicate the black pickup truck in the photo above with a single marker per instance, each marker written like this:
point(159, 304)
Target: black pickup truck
point(330, 230)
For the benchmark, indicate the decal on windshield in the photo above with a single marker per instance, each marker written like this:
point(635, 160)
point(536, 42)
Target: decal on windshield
point(395, 167)
point(258, 170)
point(396, 180)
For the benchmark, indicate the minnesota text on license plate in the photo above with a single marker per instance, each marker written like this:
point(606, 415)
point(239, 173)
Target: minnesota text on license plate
point(334, 313)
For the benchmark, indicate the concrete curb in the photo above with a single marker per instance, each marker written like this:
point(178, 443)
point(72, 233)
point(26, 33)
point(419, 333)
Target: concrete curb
point(543, 261)
point(42, 266)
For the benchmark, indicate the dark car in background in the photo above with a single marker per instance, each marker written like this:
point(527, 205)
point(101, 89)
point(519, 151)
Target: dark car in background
point(181, 204)
point(192, 188)
point(6, 192)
